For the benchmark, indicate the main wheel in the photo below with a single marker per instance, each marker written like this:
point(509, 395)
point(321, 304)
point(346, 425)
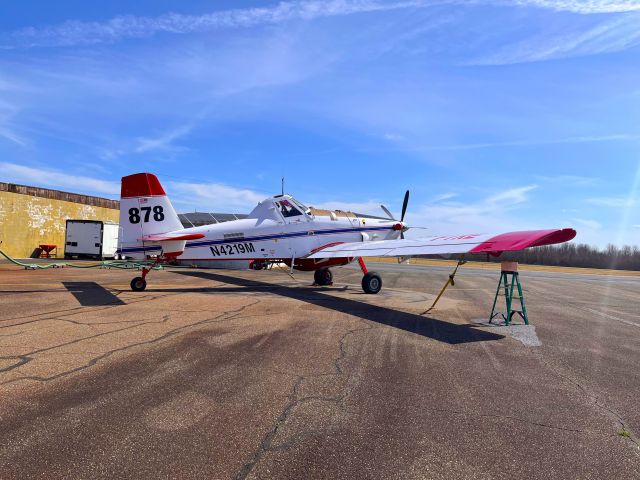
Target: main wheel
point(138, 284)
point(259, 265)
point(323, 277)
point(371, 283)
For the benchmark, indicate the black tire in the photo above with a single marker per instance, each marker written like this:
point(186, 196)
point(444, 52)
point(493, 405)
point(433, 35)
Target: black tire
point(371, 283)
point(138, 284)
point(323, 277)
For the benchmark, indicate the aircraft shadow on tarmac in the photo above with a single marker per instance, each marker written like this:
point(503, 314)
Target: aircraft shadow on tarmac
point(91, 294)
point(439, 330)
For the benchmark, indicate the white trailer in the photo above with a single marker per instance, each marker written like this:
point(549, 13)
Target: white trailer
point(91, 238)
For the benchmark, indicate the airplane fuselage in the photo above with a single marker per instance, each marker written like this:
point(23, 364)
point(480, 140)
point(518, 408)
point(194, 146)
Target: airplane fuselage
point(270, 235)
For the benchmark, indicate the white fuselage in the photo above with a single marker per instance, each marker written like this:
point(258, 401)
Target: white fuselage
point(250, 239)
point(268, 234)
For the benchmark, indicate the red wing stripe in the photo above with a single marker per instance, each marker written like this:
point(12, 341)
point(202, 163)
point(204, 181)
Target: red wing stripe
point(165, 238)
point(316, 250)
point(521, 240)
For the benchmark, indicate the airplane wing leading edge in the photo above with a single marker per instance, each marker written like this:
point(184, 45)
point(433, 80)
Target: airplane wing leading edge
point(442, 245)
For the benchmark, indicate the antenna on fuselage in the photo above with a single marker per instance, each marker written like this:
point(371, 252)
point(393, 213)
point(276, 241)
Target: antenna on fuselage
point(282, 185)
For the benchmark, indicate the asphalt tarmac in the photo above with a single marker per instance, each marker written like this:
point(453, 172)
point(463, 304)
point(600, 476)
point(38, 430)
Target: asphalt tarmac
point(234, 375)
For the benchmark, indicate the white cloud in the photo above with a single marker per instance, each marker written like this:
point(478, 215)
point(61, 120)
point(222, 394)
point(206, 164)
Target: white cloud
point(493, 214)
point(7, 111)
point(185, 195)
point(513, 196)
point(163, 141)
point(214, 197)
point(75, 32)
point(12, 137)
point(220, 197)
point(570, 180)
point(393, 137)
point(532, 143)
point(12, 173)
point(581, 6)
point(122, 27)
point(612, 35)
point(592, 224)
point(613, 202)
point(442, 197)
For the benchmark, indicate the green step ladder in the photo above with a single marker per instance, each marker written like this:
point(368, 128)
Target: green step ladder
point(509, 280)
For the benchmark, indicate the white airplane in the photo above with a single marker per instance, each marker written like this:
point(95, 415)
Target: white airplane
point(282, 229)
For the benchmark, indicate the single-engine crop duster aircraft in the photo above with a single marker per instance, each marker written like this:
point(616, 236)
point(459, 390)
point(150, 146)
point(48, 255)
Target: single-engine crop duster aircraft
point(282, 229)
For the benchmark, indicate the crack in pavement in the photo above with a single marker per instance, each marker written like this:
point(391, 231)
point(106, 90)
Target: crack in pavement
point(574, 380)
point(23, 359)
point(609, 412)
point(266, 445)
point(510, 417)
point(225, 316)
point(72, 311)
point(12, 334)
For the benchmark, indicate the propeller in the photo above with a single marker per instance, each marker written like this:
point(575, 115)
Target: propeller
point(405, 204)
point(389, 214)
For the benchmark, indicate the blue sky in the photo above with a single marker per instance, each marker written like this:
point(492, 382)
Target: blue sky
point(498, 115)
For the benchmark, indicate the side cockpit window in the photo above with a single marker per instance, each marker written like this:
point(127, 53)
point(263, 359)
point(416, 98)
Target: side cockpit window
point(288, 209)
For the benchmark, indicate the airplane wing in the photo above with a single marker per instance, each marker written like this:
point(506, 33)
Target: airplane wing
point(474, 243)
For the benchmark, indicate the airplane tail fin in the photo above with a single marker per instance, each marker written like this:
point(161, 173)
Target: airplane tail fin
point(149, 225)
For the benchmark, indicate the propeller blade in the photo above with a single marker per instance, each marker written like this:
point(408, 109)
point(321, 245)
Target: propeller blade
point(386, 210)
point(405, 204)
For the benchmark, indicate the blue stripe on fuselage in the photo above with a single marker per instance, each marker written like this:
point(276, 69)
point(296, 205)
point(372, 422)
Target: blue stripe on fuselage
point(277, 236)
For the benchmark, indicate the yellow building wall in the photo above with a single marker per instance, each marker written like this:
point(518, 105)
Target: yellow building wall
point(27, 221)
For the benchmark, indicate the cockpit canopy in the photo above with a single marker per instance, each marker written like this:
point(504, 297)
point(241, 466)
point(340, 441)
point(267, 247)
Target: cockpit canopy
point(289, 206)
point(285, 205)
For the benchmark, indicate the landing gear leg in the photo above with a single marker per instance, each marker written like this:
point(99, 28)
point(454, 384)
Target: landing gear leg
point(371, 282)
point(138, 284)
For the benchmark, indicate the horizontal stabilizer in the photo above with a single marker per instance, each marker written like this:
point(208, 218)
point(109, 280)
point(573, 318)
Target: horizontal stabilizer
point(168, 237)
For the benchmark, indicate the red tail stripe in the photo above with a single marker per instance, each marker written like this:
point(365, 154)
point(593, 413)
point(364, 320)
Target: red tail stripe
point(141, 185)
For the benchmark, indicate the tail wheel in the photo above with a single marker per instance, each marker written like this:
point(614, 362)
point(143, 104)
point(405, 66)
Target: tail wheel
point(138, 284)
point(323, 277)
point(371, 283)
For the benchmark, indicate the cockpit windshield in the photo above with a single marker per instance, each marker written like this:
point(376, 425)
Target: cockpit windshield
point(288, 208)
point(301, 206)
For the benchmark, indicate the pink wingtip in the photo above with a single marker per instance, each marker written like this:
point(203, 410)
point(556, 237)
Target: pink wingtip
point(521, 240)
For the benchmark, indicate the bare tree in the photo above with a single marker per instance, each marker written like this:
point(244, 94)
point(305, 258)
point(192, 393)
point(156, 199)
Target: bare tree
point(574, 255)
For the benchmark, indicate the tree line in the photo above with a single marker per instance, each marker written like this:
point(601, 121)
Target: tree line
point(573, 255)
